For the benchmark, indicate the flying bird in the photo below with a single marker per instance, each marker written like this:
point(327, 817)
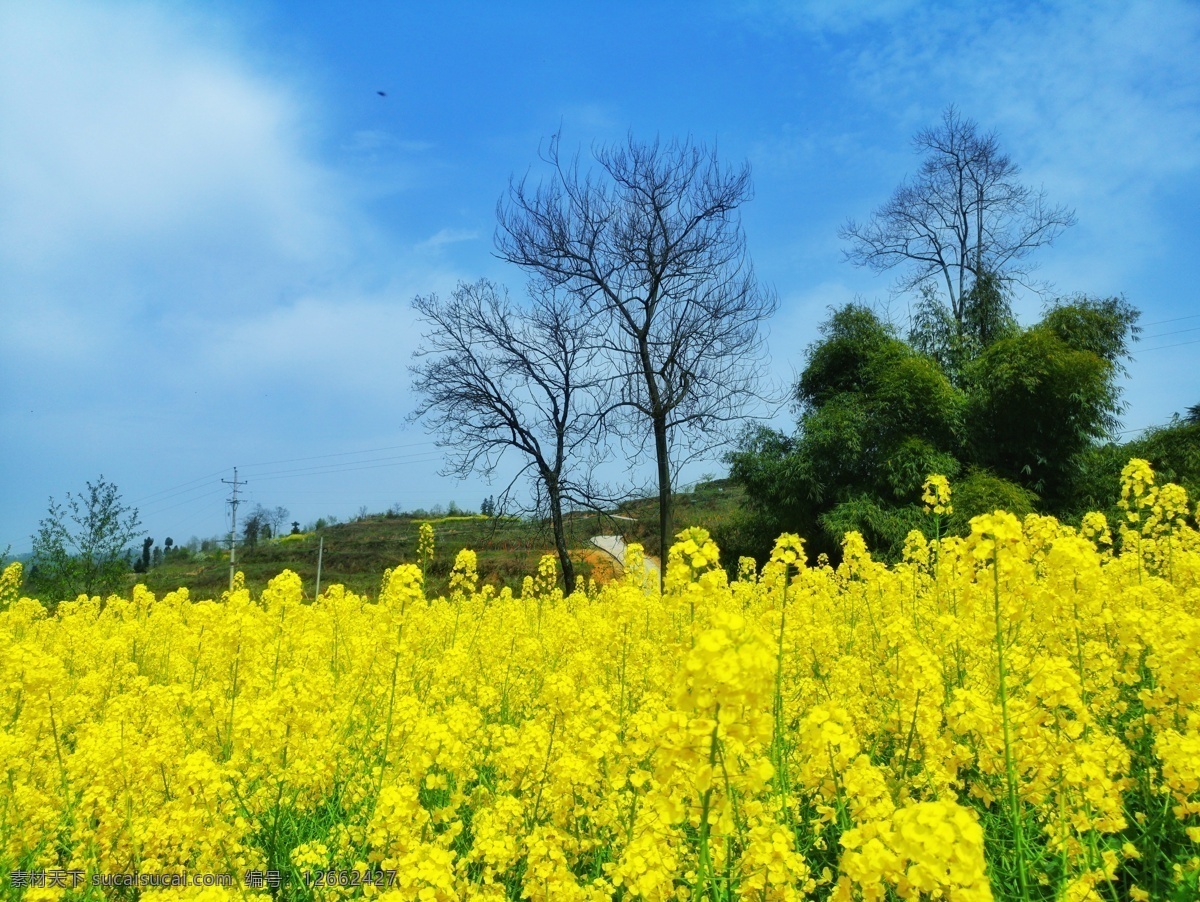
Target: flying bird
point(381, 93)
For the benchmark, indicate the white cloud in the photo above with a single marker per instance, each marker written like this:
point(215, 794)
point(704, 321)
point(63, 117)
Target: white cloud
point(1097, 101)
point(184, 278)
point(129, 138)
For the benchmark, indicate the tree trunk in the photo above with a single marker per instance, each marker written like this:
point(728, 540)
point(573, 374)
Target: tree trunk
point(664, 496)
point(560, 541)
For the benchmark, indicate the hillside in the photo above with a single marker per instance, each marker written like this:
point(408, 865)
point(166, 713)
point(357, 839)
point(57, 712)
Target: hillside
point(357, 553)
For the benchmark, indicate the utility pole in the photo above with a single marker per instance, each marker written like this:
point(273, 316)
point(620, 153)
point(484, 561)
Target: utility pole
point(233, 503)
point(320, 554)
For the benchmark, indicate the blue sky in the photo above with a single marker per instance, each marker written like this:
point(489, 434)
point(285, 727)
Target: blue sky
point(212, 225)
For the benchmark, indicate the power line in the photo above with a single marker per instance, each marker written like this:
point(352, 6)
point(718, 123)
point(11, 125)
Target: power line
point(187, 525)
point(183, 487)
point(315, 471)
point(1143, 428)
point(1177, 345)
point(302, 473)
point(160, 510)
point(339, 454)
point(1175, 332)
point(1159, 322)
point(335, 467)
point(178, 489)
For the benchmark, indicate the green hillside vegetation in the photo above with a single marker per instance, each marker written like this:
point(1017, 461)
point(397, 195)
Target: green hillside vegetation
point(357, 552)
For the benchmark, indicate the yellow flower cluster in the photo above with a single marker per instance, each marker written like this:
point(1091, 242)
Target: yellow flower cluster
point(10, 584)
point(425, 545)
point(1014, 714)
point(936, 495)
point(465, 575)
point(925, 850)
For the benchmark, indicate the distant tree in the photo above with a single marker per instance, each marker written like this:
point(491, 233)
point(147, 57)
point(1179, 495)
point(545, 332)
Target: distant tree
point(258, 525)
point(488, 507)
point(295, 527)
point(251, 528)
point(650, 246)
point(82, 547)
point(157, 557)
point(143, 563)
point(963, 218)
point(278, 517)
point(168, 544)
point(496, 378)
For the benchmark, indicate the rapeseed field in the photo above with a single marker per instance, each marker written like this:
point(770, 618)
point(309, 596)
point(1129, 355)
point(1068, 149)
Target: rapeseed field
point(1010, 715)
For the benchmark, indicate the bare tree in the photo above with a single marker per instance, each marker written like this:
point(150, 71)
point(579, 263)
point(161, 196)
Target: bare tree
point(497, 377)
point(279, 515)
point(963, 216)
point(651, 244)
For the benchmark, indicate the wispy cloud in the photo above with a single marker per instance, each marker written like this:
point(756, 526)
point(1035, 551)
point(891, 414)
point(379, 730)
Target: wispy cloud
point(837, 16)
point(443, 237)
point(170, 230)
point(1097, 101)
point(373, 141)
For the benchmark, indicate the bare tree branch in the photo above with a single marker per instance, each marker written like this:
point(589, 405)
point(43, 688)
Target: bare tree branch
point(495, 378)
point(963, 215)
point(651, 245)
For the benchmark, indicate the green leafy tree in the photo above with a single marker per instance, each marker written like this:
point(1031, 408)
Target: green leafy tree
point(142, 564)
point(980, 492)
point(876, 418)
point(1173, 451)
point(1042, 397)
point(251, 529)
point(987, 318)
point(257, 525)
point(82, 547)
